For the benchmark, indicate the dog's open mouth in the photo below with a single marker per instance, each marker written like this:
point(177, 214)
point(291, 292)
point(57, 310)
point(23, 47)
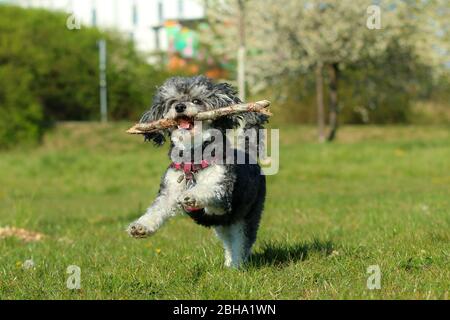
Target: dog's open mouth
point(185, 122)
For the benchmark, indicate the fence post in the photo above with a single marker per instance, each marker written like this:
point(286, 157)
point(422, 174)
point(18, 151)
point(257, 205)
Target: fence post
point(102, 81)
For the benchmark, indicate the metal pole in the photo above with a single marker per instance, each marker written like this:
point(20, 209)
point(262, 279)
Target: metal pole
point(102, 82)
point(241, 51)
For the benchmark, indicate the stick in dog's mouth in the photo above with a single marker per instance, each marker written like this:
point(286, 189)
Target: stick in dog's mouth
point(162, 124)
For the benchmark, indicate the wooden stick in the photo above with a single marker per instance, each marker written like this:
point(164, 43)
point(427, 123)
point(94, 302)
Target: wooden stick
point(259, 107)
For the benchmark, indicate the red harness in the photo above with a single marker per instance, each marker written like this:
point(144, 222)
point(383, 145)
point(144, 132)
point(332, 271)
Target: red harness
point(189, 169)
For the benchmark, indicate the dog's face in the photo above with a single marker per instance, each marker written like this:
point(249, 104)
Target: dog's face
point(182, 98)
point(183, 103)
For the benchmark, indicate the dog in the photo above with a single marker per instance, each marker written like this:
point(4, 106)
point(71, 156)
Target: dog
point(228, 197)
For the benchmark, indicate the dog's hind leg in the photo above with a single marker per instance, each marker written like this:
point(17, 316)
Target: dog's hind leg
point(223, 234)
point(253, 217)
point(251, 226)
point(234, 242)
point(239, 237)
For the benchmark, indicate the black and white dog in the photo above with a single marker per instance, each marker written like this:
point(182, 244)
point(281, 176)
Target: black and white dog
point(214, 192)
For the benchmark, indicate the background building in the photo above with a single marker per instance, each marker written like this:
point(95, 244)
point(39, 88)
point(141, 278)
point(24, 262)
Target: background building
point(144, 21)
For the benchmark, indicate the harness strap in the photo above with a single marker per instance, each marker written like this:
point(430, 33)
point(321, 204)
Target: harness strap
point(189, 168)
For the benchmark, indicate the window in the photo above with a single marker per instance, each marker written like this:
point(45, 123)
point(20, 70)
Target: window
point(135, 14)
point(157, 44)
point(160, 12)
point(180, 8)
point(94, 17)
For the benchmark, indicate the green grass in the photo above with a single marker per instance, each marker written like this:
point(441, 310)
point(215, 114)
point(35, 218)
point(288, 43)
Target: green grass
point(378, 196)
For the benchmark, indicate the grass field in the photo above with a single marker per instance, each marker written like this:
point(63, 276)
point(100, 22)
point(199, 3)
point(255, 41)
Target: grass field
point(378, 196)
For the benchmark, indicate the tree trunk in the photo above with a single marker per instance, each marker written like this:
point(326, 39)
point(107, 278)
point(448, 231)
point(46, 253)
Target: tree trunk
point(320, 106)
point(241, 51)
point(333, 87)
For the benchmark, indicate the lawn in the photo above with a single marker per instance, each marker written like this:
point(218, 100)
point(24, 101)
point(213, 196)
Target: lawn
point(378, 196)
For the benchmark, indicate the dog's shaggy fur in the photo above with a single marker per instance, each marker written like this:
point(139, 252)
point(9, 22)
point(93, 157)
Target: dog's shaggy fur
point(230, 197)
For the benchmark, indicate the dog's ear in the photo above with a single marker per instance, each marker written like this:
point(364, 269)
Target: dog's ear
point(249, 120)
point(156, 112)
point(226, 96)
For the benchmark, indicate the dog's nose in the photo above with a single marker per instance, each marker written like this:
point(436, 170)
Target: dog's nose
point(180, 107)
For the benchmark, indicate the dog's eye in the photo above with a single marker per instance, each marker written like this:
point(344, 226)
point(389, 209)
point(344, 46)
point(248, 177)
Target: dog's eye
point(196, 101)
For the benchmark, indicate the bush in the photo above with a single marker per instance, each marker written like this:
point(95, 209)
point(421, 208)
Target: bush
point(20, 114)
point(50, 73)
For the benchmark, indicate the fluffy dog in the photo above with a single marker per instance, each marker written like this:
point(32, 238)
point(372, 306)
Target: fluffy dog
point(215, 193)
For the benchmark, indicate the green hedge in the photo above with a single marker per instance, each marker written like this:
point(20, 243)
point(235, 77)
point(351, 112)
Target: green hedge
point(21, 116)
point(50, 73)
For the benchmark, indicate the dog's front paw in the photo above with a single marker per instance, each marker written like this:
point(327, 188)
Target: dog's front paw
point(188, 200)
point(137, 230)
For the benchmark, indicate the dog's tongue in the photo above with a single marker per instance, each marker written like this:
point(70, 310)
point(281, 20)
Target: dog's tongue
point(184, 124)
